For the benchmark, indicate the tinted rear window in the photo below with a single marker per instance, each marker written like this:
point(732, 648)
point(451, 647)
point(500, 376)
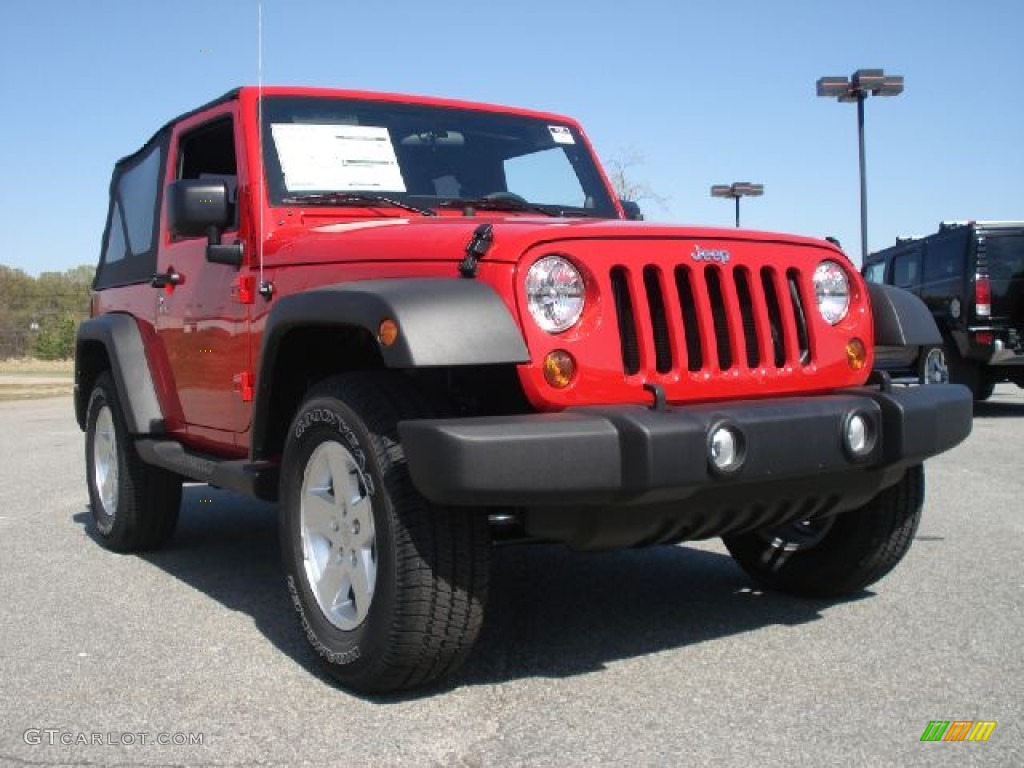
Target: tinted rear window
point(1005, 256)
point(944, 259)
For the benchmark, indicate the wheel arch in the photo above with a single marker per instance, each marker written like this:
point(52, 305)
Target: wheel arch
point(901, 319)
point(114, 342)
point(333, 329)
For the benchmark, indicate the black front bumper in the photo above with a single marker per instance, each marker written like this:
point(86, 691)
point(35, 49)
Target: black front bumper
point(613, 455)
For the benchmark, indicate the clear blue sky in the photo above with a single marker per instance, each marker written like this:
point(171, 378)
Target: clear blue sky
point(705, 92)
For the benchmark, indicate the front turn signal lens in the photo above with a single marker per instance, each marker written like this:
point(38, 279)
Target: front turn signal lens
point(856, 354)
point(559, 369)
point(387, 333)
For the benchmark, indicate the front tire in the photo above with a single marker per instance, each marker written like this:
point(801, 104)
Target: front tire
point(932, 366)
point(134, 505)
point(390, 590)
point(836, 556)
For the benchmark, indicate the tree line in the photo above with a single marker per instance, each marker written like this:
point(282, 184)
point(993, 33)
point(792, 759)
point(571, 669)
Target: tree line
point(39, 316)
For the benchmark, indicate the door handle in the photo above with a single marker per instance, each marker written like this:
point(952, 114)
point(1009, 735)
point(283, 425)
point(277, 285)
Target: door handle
point(166, 280)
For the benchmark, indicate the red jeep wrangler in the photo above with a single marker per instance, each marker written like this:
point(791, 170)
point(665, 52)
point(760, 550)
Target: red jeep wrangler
point(422, 325)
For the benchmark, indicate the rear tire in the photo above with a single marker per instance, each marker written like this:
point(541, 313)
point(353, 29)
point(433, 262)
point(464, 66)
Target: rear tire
point(389, 589)
point(986, 386)
point(134, 505)
point(969, 373)
point(837, 556)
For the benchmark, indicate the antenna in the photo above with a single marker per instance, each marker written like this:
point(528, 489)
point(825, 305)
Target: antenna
point(263, 287)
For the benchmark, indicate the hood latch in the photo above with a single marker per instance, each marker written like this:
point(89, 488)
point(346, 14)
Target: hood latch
point(476, 249)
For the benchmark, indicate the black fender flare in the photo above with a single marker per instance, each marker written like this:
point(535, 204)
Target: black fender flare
point(121, 339)
point(901, 319)
point(441, 322)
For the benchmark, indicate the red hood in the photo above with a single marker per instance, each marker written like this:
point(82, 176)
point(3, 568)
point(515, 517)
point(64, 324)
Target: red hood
point(445, 238)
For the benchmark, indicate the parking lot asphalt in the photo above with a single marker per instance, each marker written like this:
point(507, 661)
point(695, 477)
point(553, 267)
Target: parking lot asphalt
point(667, 656)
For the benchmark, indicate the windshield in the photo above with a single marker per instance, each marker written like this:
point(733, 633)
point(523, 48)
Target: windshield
point(427, 157)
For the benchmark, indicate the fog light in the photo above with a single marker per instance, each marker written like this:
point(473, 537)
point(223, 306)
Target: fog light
point(856, 354)
point(559, 369)
point(725, 449)
point(859, 435)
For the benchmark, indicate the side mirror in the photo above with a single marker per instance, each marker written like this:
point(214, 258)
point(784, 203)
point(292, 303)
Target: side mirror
point(195, 205)
point(632, 210)
point(200, 207)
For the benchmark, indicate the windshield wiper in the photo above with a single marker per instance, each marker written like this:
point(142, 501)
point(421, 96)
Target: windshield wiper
point(352, 198)
point(500, 204)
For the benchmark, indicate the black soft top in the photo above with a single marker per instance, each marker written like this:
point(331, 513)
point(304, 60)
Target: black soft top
point(165, 129)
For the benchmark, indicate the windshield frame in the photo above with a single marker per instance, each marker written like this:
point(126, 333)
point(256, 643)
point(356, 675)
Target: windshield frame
point(329, 110)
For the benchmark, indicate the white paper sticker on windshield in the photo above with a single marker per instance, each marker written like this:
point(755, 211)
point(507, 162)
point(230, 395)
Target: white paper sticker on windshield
point(561, 134)
point(337, 158)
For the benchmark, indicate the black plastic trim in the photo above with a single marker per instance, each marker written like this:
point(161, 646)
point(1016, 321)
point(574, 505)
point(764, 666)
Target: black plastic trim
point(259, 479)
point(901, 318)
point(165, 130)
point(441, 322)
point(120, 336)
point(633, 455)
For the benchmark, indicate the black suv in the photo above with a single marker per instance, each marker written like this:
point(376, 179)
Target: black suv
point(971, 276)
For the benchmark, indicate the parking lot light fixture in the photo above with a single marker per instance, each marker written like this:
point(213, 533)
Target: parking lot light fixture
point(736, 190)
point(856, 88)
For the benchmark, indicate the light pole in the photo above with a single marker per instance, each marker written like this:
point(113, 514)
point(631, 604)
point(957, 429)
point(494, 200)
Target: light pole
point(858, 87)
point(736, 190)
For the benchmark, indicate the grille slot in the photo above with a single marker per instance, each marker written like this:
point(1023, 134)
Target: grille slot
point(659, 321)
point(793, 278)
point(774, 315)
point(713, 279)
point(742, 278)
point(691, 329)
point(627, 321)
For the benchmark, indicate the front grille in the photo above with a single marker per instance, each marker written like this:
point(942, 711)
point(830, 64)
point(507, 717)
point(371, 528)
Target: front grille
point(710, 318)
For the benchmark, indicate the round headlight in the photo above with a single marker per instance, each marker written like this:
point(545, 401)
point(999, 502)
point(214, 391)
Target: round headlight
point(832, 290)
point(555, 293)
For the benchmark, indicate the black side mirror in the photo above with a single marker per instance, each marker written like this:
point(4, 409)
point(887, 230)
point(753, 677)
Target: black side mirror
point(195, 205)
point(632, 210)
point(200, 207)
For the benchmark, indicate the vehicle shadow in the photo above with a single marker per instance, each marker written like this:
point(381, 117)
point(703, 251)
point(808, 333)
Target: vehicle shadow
point(995, 409)
point(556, 613)
point(552, 612)
point(226, 546)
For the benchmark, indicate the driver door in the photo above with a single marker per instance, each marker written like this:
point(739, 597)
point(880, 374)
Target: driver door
point(200, 320)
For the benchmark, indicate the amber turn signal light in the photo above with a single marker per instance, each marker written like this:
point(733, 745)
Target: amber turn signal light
point(559, 369)
point(856, 354)
point(387, 333)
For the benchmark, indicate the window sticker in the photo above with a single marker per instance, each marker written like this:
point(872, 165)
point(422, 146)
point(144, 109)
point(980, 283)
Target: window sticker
point(561, 134)
point(337, 158)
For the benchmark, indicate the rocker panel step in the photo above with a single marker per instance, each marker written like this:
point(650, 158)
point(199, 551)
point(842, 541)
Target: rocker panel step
point(255, 478)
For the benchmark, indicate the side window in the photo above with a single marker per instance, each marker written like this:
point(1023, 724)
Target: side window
point(544, 177)
point(138, 190)
point(875, 273)
point(943, 259)
point(129, 241)
point(906, 270)
point(116, 250)
point(208, 152)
